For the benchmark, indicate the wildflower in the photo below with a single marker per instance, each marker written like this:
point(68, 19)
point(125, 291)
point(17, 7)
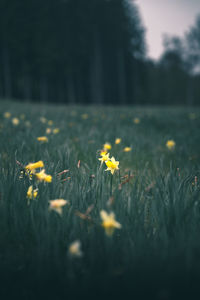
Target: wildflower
point(107, 146)
point(57, 205)
point(170, 144)
point(15, 121)
point(112, 165)
point(43, 120)
point(50, 122)
point(127, 149)
point(103, 152)
point(136, 120)
point(75, 249)
point(42, 139)
point(41, 176)
point(56, 130)
point(104, 158)
point(117, 141)
point(7, 115)
point(109, 223)
point(31, 193)
point(48, 130)
point(36, 165)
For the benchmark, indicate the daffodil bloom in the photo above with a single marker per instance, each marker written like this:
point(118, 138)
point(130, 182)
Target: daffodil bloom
point(112, 165)
point(170, 144)
point(75, 249)
point(36, 165)
point(136, 120)
point(43, 119)
point(31, 193)
point(104, 158)
point(57, 205)
point(56, 130)
point(15, 121)
point(42, 139)
point(48, 130)
point(7, 115)
point(127, 149)
point(117, 141)
point(50, 122)
point(107, 146)
point(41, 176)
point(109, 223)
point(103, 152)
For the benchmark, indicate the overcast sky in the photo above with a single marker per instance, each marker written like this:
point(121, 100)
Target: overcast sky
point(166, 16)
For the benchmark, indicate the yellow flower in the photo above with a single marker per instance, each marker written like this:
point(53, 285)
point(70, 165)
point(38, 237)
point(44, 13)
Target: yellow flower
point(31, 193)
point(43, 120)
point(56, 130)
point(127, 149)
point(170, 144)
point(50, 122)
point(57, 205)
point(103, 152)
point(36, 165)
point(109, 223)
point(48, 130)
point(41, 176)
point(15, 121)
point(7, 115)
point(42, 139)
point(104, 158)
point(75, 249)
point(107, 146)
point(136, 120)
point(117, 141)
point(112, 165)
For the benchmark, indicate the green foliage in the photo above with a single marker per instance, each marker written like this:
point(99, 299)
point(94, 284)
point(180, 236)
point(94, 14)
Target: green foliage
point(155, 199)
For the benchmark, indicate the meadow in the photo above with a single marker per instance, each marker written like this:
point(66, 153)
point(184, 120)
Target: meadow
point(136, 231)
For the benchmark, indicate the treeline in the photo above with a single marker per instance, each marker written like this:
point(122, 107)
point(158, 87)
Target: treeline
point(86, 51)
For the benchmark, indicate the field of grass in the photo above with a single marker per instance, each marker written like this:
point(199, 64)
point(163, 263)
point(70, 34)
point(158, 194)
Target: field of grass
point(155, 196)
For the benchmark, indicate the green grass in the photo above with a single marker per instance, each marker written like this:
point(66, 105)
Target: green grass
point(156, 253)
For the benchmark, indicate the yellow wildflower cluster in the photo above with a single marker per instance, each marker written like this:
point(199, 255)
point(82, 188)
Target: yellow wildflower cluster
point(108, 222)
point(111, 163)
point(41, 176)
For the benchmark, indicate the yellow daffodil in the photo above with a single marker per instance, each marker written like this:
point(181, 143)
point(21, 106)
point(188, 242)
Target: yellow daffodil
point(107, 146)
point(112, 165)
point(109, 223)
point(56, 130)
point(31, 193)
point(50, 122)
point(43, 120)
point(41, 176)
point(103, 152)
point(7, 115)
point(104, 158)
point(48, 130)
point(117, 141)
point(36, 165)
point(57, 205)
point(15, 121)
point(75, 249)
point(136, 120)
point(42, 139)
point(127, 149)
point(170, 144)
